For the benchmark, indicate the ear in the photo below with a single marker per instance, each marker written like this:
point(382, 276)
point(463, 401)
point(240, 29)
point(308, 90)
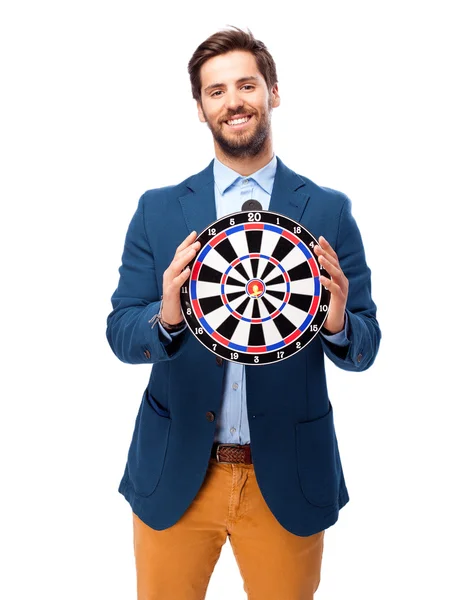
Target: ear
point(200, 113)
point(276, 99)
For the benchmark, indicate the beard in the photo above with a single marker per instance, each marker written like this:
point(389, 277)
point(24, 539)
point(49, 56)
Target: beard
point(243, 145)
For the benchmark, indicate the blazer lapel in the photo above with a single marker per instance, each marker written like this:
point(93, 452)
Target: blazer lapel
point(198, 205)
point(286, 198)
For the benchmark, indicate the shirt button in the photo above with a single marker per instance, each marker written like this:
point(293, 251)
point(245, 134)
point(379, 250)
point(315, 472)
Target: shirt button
point(219, 360)
point(235, 386)
point(210, 416)
point(245, 181)
point(147, 354)
point(359, 358)
point(232, 430)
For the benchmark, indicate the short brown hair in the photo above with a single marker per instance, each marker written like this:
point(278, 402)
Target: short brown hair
point(228, 40)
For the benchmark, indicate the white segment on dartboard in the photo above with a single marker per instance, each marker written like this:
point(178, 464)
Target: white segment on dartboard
point(293, 258)
point(274, 301)
point(263, 311)
point(295, 316)
point(231, 289)
point(207, 289)
point(302, 286)
point(271, 333)
point(242, 332)
point(262, 265)
point(239, 244)
point(279, 287)
point(269, 242)
point(238, 302)
point(217, 261)
point(217, 316)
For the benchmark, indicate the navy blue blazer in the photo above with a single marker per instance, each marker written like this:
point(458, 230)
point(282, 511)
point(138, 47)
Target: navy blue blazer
point(294, 447)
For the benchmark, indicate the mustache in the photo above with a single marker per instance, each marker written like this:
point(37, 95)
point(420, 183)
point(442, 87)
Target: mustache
point(229, 115)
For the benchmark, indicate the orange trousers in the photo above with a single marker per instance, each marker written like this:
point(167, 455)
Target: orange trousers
point(177, 563)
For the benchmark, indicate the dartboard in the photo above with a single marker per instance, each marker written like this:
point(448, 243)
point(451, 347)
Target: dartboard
point(254, 294)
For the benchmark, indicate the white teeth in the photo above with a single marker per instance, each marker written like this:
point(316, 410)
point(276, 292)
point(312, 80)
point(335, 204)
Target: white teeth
point(238, 121)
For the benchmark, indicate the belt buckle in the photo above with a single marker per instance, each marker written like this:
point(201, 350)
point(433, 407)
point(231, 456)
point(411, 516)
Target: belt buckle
point(217, 453)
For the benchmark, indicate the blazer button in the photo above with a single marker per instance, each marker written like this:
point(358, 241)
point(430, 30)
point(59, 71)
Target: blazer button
point(210, 416)
point(219, 360)
point(359, 357)
point(147, 354)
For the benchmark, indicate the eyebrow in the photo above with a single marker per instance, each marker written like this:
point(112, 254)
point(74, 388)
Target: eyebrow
point(241, 80)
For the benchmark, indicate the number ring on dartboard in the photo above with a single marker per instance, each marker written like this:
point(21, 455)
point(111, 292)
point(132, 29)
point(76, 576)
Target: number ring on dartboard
point(254, 294)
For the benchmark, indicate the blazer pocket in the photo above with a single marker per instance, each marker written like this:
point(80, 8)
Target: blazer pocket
point(318, 462)
point(148, 446)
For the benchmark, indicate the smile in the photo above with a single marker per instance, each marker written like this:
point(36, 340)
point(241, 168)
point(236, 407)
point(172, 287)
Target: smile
point(237, 122)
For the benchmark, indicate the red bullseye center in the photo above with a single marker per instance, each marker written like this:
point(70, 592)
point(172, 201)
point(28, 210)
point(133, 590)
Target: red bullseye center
point(255, 288)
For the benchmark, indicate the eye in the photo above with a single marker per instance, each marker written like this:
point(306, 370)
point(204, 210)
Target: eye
point(248, 86)
point(216, 93)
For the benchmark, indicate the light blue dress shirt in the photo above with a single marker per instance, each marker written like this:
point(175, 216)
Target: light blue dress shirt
point(231, 191)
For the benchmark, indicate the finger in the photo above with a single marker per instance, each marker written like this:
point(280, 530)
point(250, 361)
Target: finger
point(332, 269)
point(324, 243)
point(185, 243)
point(337, 275)
point(173, 286)
point(195, 245)
point(327, 251)
point(181, 278)
point(178, 263)
point(332, 287)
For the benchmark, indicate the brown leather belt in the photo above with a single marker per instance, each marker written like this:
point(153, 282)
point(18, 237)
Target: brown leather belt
point(232, 453)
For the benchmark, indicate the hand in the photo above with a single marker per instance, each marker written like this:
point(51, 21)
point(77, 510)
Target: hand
point(338, 285)
point(174, 277)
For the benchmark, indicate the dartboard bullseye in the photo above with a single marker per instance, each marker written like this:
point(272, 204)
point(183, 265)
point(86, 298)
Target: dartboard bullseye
point(254, 294)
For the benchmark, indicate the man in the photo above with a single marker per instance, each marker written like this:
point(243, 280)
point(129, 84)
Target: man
point(280, 483)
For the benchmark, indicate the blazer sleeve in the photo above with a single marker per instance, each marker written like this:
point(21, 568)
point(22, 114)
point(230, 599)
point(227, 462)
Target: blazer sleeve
point(363, 329)
point(131, 331)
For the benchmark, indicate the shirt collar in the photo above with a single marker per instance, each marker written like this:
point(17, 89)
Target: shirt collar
point(225, 177)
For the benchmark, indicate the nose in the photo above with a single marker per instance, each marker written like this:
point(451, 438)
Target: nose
point(233, 100)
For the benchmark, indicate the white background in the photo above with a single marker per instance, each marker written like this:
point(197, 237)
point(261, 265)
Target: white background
point(96, 109)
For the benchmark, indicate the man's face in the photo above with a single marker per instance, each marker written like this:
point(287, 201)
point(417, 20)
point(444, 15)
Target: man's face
point(236, 103)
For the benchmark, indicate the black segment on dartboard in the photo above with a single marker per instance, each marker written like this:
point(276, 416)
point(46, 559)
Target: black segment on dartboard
point(275, 281)
point(210, 275)
point(228, 327)
point(235, 295)
point(284, 326)
point(301, 271)
point(256, 337)
point(241, 309)
point(210, 304)
point(226, 250)
point(282, 249)
point(278, 295)
point(256, 314)
point(269, 267)
point(253, 240)
point(254, 266)
point(301, 301)
point(232, 281)
point(270, 307)
point(241, 269)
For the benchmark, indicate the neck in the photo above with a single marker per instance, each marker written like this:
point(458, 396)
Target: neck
point(246, 165)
